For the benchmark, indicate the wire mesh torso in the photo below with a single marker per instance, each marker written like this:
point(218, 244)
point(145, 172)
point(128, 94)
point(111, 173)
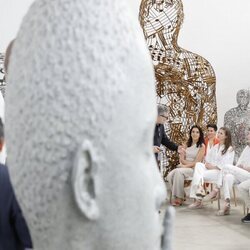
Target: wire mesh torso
point(185, 81)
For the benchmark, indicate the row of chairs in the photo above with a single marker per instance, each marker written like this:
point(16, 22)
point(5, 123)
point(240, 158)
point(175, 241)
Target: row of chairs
point(210, 183)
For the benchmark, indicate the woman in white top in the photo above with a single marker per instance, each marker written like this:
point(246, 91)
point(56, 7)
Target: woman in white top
point(220, 155)
point(194, 152)
point(231, 175)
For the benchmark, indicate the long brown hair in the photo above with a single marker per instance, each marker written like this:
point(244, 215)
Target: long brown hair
point(201, 138)
point(228, 139)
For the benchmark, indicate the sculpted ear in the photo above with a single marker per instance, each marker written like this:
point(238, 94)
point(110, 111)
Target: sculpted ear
point(84, 181)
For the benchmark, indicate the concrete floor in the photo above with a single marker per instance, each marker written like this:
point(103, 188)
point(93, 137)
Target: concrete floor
point(201, 229)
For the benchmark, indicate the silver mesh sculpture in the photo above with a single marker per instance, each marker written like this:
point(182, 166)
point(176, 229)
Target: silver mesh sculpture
point(238, 121)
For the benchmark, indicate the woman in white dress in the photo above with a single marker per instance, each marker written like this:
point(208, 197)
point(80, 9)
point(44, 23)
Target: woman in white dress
point(231, 175)
point(220, 155)
point(194, 152)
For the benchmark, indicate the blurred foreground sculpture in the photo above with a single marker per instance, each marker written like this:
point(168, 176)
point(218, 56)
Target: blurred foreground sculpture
point(238, 121)
point(184, 81)
point(80, 116)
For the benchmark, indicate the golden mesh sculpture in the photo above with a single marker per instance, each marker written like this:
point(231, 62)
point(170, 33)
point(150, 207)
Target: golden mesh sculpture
point(185, 81)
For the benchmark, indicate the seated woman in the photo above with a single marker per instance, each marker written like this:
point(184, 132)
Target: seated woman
point(220, 155)
point(194, 152)
point(231, 175)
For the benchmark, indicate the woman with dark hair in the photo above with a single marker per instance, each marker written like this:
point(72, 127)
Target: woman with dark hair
point(194, 152)
point(220, 155)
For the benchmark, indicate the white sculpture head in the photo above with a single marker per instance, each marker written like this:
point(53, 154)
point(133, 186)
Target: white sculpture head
point(80, 115)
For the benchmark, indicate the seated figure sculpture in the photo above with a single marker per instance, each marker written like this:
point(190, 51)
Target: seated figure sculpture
point(238, 121)
point(83, 107)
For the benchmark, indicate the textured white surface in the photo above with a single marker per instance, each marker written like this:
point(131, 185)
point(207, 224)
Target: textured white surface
point(80, 72)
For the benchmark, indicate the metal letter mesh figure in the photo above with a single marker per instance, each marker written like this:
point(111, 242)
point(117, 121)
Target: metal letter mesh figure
point(184, 81)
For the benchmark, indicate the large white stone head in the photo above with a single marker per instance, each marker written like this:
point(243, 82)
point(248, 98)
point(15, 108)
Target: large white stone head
point(80, 115)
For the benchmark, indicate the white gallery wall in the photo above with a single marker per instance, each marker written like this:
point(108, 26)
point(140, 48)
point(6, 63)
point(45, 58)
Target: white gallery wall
point(12, 12)
point(215, 29)
point(219, 31)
